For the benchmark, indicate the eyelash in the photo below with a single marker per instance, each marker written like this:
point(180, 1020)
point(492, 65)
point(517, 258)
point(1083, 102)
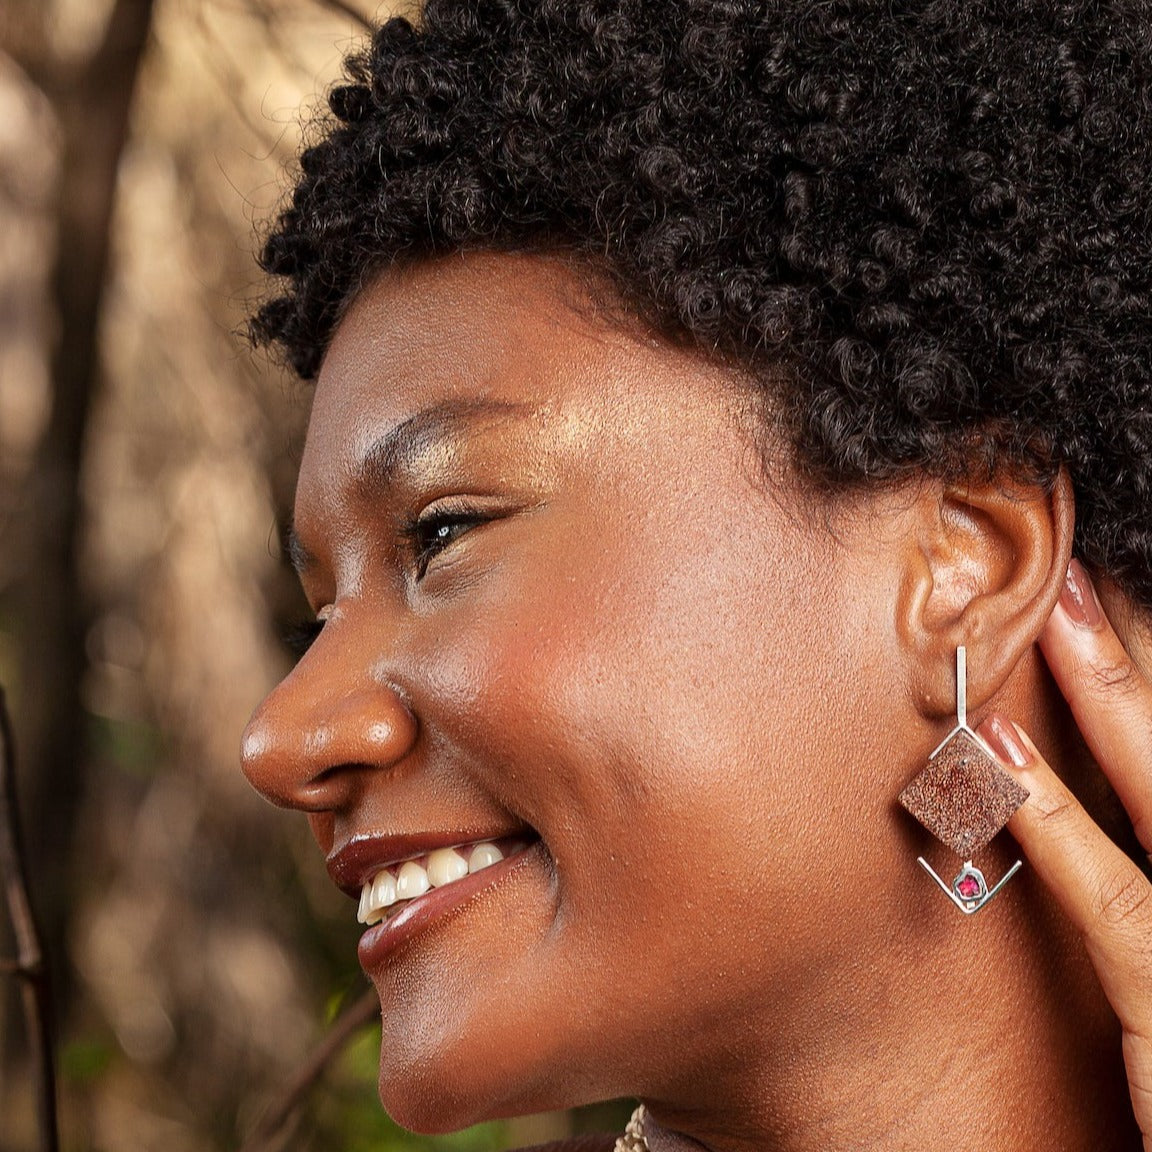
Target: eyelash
point(427, 535)
point(432, 531)
point(298, 637)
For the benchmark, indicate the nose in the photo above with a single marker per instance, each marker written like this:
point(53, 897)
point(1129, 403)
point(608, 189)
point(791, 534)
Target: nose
point(320, 729)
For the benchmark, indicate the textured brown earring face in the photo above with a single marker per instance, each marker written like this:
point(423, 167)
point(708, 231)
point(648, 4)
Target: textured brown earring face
point(963, 797)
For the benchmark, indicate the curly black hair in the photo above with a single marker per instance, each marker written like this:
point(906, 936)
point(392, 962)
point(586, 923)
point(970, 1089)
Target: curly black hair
point(937, 214)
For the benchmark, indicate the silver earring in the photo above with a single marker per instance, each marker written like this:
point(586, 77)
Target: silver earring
point(963, 797)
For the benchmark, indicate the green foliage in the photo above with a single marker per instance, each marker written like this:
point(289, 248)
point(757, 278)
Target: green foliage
point(135, 747)
point(85, 1059)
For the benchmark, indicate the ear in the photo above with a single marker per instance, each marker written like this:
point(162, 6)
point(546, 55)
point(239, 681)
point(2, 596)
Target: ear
point(985, 572)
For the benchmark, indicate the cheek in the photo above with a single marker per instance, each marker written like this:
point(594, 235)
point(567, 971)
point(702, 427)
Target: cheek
point(648, 704)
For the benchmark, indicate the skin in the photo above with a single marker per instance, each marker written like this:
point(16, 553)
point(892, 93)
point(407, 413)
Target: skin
point(702, 689)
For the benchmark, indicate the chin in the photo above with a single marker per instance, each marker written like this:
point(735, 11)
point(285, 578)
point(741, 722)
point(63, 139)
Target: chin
point(448, 1059)
point(447, 1063)
point(447, 1089)
point(419, 1105)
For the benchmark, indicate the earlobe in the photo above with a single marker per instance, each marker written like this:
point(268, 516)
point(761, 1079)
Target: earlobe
point(985, 573)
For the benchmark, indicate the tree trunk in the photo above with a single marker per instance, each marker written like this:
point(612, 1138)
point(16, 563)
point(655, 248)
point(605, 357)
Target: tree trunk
point(93, 109)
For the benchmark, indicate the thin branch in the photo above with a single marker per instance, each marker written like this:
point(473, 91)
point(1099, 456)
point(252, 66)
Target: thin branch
point(29, 966)
point(281, 1110)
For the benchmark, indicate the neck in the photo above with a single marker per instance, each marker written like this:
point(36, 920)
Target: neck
point(935, 1031)
point(968, 1042)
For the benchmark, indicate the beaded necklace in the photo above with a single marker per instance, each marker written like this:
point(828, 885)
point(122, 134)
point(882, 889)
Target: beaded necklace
point(633, 1139)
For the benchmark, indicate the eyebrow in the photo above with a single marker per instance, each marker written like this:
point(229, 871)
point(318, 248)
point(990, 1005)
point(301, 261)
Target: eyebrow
point(403, 444)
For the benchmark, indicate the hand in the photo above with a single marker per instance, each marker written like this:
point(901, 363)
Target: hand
point(1100, 888)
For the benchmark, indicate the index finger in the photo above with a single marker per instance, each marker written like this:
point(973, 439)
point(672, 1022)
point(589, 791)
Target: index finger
point(1109, 695)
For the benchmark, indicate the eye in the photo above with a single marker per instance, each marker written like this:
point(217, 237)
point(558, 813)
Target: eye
point(439, 526)
point(298, 637)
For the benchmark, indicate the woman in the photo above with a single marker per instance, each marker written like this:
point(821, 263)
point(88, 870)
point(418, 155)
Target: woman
point(693, 381)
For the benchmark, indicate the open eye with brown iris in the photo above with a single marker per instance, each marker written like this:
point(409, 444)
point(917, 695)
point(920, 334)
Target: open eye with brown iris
point(438, 527)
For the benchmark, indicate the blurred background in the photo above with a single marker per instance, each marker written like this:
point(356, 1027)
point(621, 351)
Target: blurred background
point(198, 950)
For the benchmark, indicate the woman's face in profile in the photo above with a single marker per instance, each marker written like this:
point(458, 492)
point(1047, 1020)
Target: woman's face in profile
point(565, 606)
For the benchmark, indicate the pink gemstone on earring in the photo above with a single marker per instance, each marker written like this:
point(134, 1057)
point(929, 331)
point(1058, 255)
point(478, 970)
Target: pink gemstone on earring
point(968, 888)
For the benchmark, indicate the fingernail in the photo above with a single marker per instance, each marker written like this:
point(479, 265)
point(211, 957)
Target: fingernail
point(1004, 739)
point(1078, 598)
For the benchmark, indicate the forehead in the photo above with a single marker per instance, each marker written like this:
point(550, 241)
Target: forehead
point(495, 371)
point(509, 330)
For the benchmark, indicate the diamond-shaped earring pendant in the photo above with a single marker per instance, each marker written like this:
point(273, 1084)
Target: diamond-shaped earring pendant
point(963, 797)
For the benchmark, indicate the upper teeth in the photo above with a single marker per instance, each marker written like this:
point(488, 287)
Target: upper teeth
point(414, 877)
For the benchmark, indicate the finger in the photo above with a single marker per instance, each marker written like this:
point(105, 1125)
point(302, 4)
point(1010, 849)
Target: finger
point(1138, 1061)
point(1109, 696)
point(1101, 890)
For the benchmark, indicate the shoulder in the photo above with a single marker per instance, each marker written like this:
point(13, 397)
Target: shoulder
point(601, 1142)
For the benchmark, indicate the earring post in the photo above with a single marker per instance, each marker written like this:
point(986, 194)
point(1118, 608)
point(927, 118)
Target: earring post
point(962, 687)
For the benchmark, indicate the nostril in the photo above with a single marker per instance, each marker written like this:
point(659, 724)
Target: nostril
point(318, 793)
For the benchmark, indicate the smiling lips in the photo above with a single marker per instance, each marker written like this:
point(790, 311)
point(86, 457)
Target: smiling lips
point(394, 887)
